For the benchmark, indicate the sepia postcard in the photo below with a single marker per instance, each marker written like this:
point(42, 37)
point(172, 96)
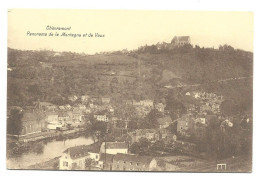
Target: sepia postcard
point(129, 90)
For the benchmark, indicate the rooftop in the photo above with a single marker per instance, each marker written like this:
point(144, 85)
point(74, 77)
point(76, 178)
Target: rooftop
point(116, 145)
point(108, 157)
point(144, 131)
point(33, 116)
point(133, 158)
point(82, 150)
point(163, 120)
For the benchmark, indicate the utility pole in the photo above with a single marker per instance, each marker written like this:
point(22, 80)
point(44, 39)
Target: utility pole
point(105, 146)
point(139, 68)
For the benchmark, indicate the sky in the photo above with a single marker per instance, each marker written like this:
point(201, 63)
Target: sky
point(126, 29)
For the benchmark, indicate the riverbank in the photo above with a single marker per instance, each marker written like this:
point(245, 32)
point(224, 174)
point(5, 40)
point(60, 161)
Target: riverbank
point(22, 144)
point(26, 155)
point(44, 135)
point(52, 164)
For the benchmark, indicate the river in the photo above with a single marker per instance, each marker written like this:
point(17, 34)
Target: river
point(44, 151)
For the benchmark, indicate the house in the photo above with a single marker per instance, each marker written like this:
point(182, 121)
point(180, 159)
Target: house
point(101, 118)
point(62, 107)
point(205, 107)
point(93, 153)
point(84, 98)
point(63, 117)
point(149, 134)
point(105, 100)
point(128, 162)
point(106, 161)
point(165, 135)
point(45, 106)
point(216, 108)
point(32, 123)
point(73, 98)
point(144, 103)
point(74, 158)
point(114, 147)
point(136, 103)
point(81, 107)
point(159, 107)
point(53, 121)
point(196, 95)
point(164, 122)
point(129, 102)
point(185, 125)
point(147, 103)
point(112, 110)
point(201, 120)
point(76, 116)
point(52, 117)
point(178, 41)
point(68, 107)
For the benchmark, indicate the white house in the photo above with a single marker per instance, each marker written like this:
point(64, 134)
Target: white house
point(52, 118)
point(148, 103)
point(159, 107)
point(74, 157)
point(53, 125)
point(101, 118)
point(187, 94)
point(114, 148)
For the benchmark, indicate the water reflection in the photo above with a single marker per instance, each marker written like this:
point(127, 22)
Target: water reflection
point(43, 151)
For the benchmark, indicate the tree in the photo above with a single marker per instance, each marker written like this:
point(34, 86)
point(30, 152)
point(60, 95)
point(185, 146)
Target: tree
point(135, 148)
point(14, 123)
point(175, 107)
point(99, 129)
point(133, 124)
point(141, 146)
point(228, 108)
point(158, 145)
point(173, 127)
point(150, 121)
point(144, 144)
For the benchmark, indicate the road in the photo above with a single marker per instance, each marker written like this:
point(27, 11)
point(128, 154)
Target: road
point(218, 81)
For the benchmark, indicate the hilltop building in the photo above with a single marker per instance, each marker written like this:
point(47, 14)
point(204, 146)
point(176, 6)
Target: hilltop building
point(178, 41)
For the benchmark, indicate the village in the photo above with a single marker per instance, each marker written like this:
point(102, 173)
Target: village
point(121, 145)
point(181, 128)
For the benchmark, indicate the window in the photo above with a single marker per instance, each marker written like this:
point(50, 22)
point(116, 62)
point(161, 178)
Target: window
point(65, 164)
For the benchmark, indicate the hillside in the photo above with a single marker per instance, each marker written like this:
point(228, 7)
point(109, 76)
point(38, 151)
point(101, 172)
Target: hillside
point(52, 76)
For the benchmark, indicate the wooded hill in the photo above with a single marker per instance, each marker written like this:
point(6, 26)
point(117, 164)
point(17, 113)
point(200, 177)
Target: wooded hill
point(140, 74)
